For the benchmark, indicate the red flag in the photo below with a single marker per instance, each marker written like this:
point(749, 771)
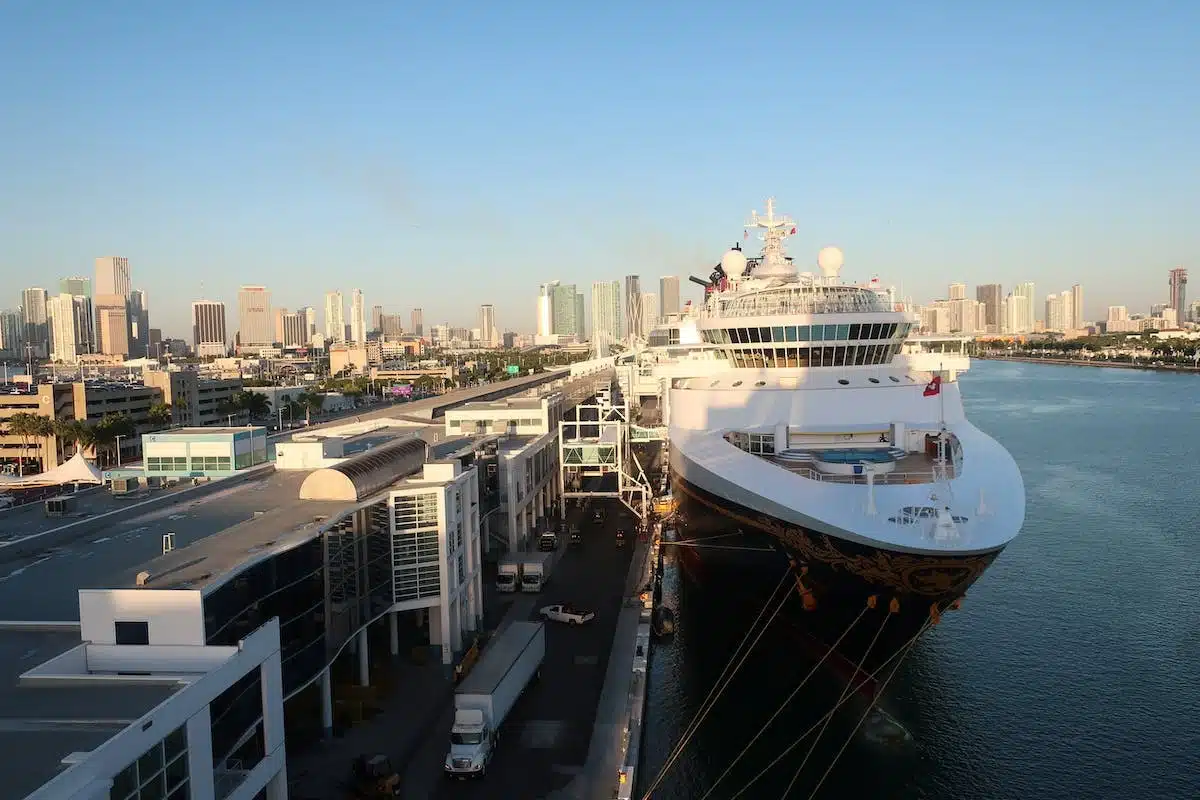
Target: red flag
point(793, 233)
point(934, 386)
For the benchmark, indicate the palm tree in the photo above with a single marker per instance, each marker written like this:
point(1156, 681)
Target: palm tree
point(159, 415)
point(310, 402)
point(112, 428)
point(25, 425)
point(259, 405)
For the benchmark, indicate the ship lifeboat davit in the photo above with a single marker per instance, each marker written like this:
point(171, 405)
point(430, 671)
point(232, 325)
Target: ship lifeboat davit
point(662, 621)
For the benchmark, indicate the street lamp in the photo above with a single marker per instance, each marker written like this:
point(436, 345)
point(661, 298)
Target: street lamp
point(289, 410)
point(229, 421)
point(119, 438)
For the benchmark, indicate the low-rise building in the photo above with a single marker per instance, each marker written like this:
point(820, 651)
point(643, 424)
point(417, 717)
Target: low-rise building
point(203, 452)
point(196, 401)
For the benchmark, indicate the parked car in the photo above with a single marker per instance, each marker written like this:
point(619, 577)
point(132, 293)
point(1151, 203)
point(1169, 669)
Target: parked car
point(565, 613)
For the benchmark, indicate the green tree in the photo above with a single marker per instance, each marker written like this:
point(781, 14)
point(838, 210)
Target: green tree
point(255, 403)
point(27, 426)
point(159, 415)
point(311, 402)
point(109, 430)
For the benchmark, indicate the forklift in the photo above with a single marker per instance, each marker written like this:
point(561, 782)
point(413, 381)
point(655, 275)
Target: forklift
point(373, 777)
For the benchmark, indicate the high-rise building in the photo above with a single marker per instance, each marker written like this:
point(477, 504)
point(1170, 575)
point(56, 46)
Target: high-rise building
point(82, 288)
point(487, 325)
point(377, 318)
point(1077, 307)
point(1194, 311)
point(139, 324)
point(12, 334)
point(606, 315)
point(649, 313)
point(990, 294)
point(418, 322)
point(1177, 280)
point(1024, 315)
point(255, 326)
point(112, 325)
point(391, 328)
point(358, 317)
point(335, 317)
point(293, 330)
point(68, 318)
point(112, 276)
point(1117, 314)
point(208, 328)
point(280, 314)
point(545, 309)
point(310, 323)
point(633, 306)
point(1060, 311)
point(37, 327)
point(564, 310)
point(958, 291)
point(580, 322)
point(668, 290)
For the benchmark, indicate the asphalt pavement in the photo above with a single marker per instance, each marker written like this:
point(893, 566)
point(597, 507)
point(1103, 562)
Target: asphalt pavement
point(544, 742)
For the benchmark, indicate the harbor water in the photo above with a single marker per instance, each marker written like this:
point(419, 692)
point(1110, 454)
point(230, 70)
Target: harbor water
point(1072, 669)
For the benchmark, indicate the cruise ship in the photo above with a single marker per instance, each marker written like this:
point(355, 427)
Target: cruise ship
point(816, 441)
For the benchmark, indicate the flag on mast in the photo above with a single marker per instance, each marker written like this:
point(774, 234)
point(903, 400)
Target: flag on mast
point(934, 387)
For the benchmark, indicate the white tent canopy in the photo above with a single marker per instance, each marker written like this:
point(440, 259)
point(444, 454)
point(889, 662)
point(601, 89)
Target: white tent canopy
point(77, 469)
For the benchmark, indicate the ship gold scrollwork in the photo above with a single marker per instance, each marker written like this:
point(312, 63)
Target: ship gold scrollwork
point(919, 574)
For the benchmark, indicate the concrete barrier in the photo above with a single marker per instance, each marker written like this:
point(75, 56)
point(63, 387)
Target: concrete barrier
point(65, 534)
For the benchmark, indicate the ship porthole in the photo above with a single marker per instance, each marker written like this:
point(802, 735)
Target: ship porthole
point(737, 383)
point(843, 382)
point(714, 384)
point(893, 379)
point(760, 383)
point(873, 380)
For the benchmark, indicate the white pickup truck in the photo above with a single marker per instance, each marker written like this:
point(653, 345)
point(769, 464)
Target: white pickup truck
point(567, 614)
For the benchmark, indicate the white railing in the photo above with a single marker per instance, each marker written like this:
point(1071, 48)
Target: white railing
point(843, 300)
point(893, 478)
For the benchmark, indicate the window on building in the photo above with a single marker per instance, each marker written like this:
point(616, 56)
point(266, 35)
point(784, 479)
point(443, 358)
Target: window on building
point(132, 632)
point(160, 772)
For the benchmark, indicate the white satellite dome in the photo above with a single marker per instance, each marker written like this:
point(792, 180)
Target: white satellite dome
point(830, 260)
point(734, 262)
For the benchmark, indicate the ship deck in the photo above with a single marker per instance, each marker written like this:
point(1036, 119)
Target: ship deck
point(912, 468)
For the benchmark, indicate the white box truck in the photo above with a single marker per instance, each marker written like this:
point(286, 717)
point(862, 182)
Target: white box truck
point(483, 700)
point(508, 573)
point(535, 571)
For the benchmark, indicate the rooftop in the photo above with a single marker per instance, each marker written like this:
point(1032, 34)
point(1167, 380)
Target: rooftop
point(209, 430)
point(41, 726)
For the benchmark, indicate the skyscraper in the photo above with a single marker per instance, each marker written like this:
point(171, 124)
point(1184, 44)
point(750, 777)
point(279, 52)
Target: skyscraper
point(1023, 315)
point(1177, 280)
point(649, 313)
point(358, 317)
point(633, 306)
point(487, 325)
point(564, 319)
point(139, 324)
point(310, 323)
point(112, 276)
point(208, 328)
point(545, 309)
point(377, 318)
point(606, 315)
point(82, 288)
point(580, 322)
point(668, 290)
point(1076, 307)
point(293, 330)
point(37, 328)
point(12, 334)
point(255, 325)
point(418, 322)
point(990, 295)
point(335, 317)
point(958, 291)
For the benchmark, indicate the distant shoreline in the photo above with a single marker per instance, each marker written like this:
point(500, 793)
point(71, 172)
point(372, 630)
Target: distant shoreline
point(1083, 362)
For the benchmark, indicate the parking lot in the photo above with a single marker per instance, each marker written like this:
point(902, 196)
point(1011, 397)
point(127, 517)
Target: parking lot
point(544, 742)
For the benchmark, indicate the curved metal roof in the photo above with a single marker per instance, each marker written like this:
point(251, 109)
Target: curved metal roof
point(365, 474)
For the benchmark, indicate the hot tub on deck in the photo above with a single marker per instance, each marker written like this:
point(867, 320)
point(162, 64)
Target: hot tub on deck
point(846, 461)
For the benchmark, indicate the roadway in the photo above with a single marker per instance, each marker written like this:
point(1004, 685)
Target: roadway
point(544, 743)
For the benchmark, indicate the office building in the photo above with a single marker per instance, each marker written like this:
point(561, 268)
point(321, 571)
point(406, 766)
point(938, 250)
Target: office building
point(564, 310)
point(255, 324)
point(633, 306)
point(1024, 315)
point(208, 329)
point(112, 325)
point(1060, 311)
point(36, 321)
point(958, 291)
point(545, 309)
point(139, 324)
point(69, 316)
point(1077, 307)
point(1117, 314)
point(649, 313)
point(391, 327)
point(292, 331)
point(990, 294)
point(113, 276)
point(668, 290)
point(335, 318)
point(12, 334)
point(418, 322)
point(1177, 280)
point(606, 315)
point(196, 401)
point(358, 317)
point(377, 318)
point(310, 322)
point(487, 325)
point(82, 288)
point(580, 321)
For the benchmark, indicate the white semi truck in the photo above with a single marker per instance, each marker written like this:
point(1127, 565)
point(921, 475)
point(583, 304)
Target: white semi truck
point(482, 701)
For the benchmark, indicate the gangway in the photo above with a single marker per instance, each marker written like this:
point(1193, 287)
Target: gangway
point(597, 442)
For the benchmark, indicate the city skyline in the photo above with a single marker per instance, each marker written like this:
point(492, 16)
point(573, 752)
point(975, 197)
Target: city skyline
point(204, 168)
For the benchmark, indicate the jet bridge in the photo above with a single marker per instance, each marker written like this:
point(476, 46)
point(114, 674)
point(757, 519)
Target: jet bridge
point(597, 442)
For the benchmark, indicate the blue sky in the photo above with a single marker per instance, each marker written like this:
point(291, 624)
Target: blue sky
point(447, 158)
